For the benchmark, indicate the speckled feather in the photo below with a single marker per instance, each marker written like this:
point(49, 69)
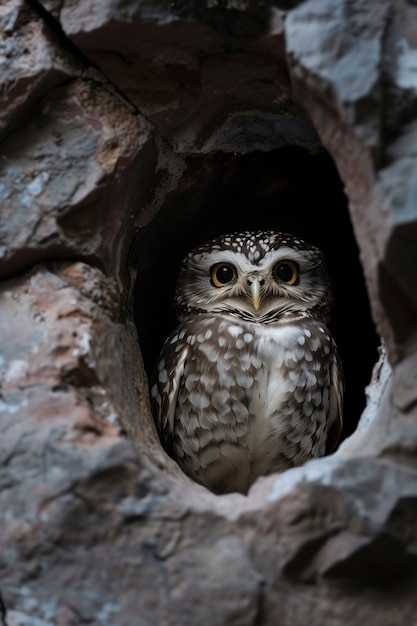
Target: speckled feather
point(239, 393)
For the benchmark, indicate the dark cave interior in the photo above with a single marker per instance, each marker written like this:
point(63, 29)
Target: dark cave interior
point(287, 189)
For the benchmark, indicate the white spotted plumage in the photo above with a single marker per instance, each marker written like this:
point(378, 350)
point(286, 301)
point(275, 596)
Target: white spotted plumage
point(250, 382)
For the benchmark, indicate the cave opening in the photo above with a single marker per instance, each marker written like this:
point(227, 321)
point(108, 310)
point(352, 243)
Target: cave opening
point(288, 189)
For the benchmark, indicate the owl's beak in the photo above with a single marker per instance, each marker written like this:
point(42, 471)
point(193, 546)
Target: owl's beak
point(255, 292)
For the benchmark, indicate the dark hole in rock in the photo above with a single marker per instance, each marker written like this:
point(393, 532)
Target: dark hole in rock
point(287, 189)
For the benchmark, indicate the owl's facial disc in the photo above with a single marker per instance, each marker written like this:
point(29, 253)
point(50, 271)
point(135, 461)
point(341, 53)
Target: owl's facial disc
point(253, 290)
point(257, 276)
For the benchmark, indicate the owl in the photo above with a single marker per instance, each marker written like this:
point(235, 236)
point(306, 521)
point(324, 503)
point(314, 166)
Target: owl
point(250, 382)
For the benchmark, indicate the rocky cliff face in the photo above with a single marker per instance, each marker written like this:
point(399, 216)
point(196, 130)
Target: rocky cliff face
point(129, 131)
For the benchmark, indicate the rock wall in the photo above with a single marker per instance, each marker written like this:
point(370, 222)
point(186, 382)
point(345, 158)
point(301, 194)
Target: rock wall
point(113, 114)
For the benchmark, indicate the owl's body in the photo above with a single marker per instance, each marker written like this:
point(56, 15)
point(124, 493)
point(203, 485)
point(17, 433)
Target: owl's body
point(250, 381)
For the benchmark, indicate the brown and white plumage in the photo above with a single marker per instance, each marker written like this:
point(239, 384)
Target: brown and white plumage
point(250, 382)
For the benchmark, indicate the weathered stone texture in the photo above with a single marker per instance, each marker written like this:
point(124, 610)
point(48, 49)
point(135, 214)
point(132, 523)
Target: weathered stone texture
point(358, 82)
point(104, 104)
point(30, 62)
point(63, 169)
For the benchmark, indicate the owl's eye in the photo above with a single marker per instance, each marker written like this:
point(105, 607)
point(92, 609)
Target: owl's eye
point(222, 274)
point(287, 272)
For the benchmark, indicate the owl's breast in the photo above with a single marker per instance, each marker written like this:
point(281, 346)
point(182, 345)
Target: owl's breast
point(279, 352)
point(276, 351)
point(262, 366)
point(241, 369)
point(242, 399)
point(280, 374)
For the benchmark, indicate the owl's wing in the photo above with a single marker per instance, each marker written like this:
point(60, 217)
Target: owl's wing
point(335, 419)
point(169, 405)
point(167, 381)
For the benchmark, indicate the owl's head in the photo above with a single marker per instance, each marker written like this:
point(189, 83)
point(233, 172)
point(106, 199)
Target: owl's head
point(257, 275)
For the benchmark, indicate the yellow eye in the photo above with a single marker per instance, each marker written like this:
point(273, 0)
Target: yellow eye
point(286, 272)
point(222, 274)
